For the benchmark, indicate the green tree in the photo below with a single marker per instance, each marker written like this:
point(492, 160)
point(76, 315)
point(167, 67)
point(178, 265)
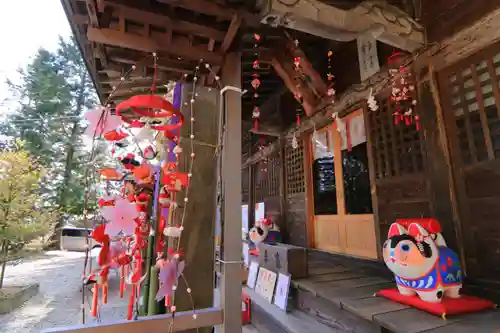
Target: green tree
point(23, 214)
point(54, 92)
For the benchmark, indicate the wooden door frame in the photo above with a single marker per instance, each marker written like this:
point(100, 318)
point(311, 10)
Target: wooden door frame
point(334, 140)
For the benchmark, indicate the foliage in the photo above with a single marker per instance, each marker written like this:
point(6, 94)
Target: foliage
point(23, 215)
point(54, 92)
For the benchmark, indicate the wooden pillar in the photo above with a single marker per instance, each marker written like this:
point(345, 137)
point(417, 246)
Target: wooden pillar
point(197, 241)
point(231, 182)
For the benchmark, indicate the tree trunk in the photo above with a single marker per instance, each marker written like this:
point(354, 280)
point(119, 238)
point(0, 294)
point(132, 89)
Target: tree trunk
point(5, 250)
point(54, 239)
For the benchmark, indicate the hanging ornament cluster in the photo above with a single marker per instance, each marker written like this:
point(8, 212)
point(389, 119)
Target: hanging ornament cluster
point(256, 82)
point(144, 206)
point(330, 78)
point(403, 93)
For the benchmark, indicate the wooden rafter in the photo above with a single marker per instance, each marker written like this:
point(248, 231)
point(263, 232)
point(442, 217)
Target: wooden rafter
point(283, 70)
point(94, 22)
point(317, 82)
point(164, 21)
point(202, 6)
point(178, 46)
point(232, 31)
point(171, 65)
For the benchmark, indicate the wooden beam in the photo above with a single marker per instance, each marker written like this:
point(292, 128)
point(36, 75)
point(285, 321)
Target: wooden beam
point(178, 46)
point(202, 6)
point(231, 178)
point(183, 321)
point(385, 22)
point(167, 22)
point(316, 81)
point(98, 51)
point(170, 65)
point(307, 98)
point(80, 19)
point(231, 33)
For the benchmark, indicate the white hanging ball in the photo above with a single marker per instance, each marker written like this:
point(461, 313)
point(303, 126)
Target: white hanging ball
point(217, 78)
point(192, 154)
point(192, 118)
point(174, 287)
point(190, 175)
point(192, 100)
point(188, 290)
point(122, 79)
point(192, 136)
point(154, 54)
point(173, 308)
point(133, 67)
point(185, 199)
point(195, 316)
point(181, 228)
point(177, 256)
point(207, 66)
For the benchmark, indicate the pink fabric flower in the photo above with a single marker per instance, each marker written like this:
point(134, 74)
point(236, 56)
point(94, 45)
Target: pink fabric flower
point(101, 122)
point(170, 271)
point(120, 217)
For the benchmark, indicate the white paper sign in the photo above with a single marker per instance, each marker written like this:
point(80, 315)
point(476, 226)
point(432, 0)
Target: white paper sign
point(356, 133)
point(266, 281)
point(244, 217)
point(282, 290)
point(259, 211)
point(252, 274)
point(246, 256)
point(367, 54)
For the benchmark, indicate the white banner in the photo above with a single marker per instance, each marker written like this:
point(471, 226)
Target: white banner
point(368, 58)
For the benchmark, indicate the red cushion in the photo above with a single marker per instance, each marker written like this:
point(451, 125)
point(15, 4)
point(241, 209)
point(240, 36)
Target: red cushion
point(448, 306)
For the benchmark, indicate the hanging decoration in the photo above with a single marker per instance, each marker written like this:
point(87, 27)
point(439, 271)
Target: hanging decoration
point(145, 204)
point(256, 83)
point(330, 78)
point(372, 102)
point(403, 93)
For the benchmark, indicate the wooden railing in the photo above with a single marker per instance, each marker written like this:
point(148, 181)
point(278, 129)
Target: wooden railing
point(158, 324)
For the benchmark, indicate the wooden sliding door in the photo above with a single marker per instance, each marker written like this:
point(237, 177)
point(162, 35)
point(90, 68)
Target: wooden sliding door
point(339, 189)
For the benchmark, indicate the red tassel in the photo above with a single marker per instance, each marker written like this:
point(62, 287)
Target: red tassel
point(122, 281)
point(168, 301)
point(407, 120)
point(95, 298)
point(417, 123)
point(105, 293)
point(298, 119)
point(256, 124)
point(130, 309)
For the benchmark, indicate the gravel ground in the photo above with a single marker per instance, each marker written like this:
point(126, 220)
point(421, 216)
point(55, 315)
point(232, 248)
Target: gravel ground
point(58, 301)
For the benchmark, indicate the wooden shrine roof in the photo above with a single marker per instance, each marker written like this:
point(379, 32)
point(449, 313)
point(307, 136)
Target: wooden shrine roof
point(114, 35)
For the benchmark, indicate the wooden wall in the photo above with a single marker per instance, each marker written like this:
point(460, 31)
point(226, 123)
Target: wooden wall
point(470, 98)
point(295, 190)
point(402, 188)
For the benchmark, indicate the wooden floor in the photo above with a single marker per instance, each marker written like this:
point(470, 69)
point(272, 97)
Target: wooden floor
point(334, 283)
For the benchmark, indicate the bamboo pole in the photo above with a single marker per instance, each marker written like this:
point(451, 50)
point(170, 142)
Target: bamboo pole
point(153, 287)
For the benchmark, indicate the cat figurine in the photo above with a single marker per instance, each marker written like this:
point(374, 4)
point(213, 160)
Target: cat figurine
point(264, 231)
point(421, 261)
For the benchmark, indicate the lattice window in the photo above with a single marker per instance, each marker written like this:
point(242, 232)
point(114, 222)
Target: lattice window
point(475, 102)
point(267, 178)
point(294, 167)
point(397, 149)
